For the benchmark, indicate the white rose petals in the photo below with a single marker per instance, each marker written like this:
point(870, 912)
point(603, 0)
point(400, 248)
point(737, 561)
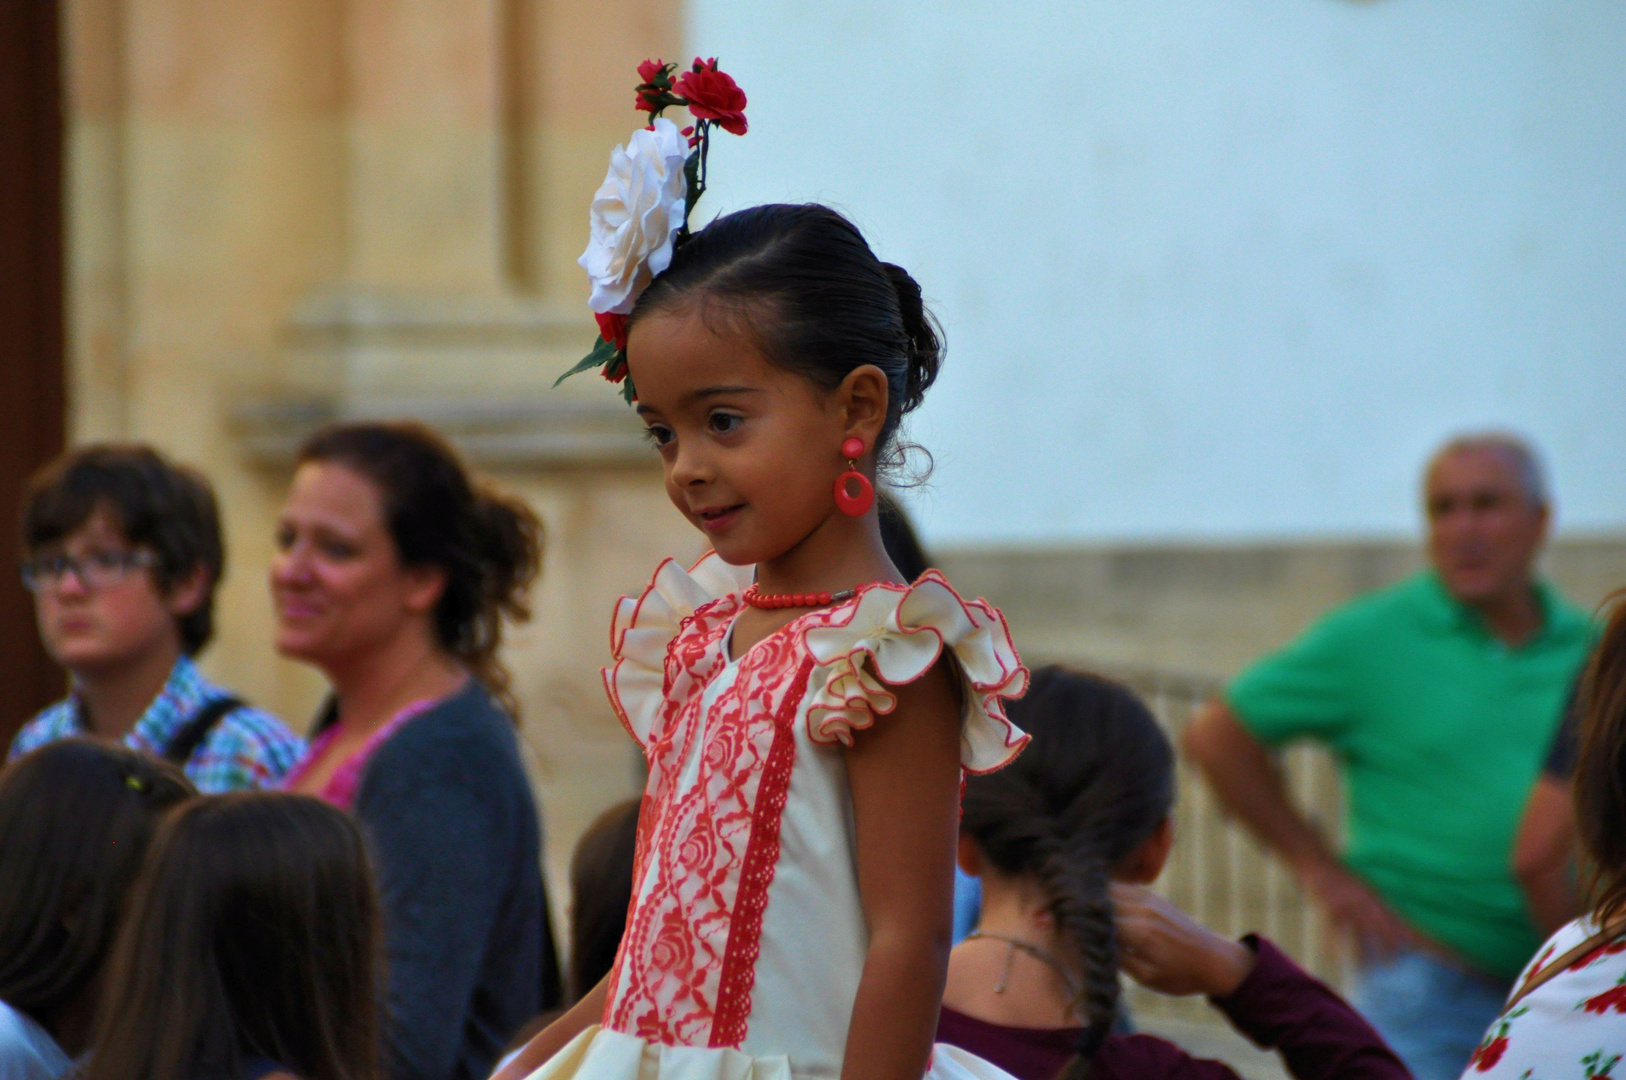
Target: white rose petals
point(636, 214)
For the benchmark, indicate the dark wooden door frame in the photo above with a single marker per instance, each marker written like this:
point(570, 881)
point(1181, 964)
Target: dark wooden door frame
point(32, 325)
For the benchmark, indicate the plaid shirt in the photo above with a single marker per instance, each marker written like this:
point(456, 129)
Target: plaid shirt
point(246, 749)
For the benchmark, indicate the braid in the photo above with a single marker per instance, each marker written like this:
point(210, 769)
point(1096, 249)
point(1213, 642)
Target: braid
point(1075, 876)
point(1094, 784)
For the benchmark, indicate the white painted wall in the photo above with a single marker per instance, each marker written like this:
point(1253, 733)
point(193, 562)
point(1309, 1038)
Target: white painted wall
point(1218, 269)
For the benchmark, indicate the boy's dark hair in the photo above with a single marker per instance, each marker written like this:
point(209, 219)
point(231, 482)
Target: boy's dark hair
point(253, 934)
point(1600, 769)
point(155, 503)
point(1095, 782)
point(600, 893)
point(489, 545)
point(75, 819)
point(829, 304)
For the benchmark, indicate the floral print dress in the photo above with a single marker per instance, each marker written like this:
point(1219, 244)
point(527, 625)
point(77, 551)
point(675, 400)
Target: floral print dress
point(745, 939)
point(1572, 1027)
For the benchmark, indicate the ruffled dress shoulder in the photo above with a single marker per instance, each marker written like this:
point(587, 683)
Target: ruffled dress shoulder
point(745, 939)
point(669, 640)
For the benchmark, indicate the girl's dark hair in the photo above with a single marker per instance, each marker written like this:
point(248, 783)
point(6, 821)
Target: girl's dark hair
point(1600, 769)
point(253, 937)
point(1095, 782)
point(899, 539)
point(823, 302)
point(75, 819)
point(488, 545)
point(600, 893)
point(155, 503)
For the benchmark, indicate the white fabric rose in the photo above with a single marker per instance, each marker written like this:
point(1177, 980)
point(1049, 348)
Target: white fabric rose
point(636, 214)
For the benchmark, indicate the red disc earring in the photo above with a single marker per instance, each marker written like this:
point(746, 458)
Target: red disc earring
point(854, 493)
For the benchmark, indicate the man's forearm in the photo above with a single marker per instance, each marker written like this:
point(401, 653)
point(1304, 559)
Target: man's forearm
point(1248, 784)
point(1542, 854)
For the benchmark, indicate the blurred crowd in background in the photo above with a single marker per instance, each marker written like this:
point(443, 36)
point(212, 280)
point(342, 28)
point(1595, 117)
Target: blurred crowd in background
point(399, 840)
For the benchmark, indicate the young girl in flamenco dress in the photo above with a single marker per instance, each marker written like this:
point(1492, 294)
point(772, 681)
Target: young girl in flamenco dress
point(806, 714)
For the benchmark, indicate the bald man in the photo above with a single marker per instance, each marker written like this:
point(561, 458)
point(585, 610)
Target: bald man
point(1439, 696)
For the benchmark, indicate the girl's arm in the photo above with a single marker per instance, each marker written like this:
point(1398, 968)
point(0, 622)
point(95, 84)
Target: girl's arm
point(905, 778)
point(553, 1038)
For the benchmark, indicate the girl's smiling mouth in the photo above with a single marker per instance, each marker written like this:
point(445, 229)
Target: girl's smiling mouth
point(720, 517)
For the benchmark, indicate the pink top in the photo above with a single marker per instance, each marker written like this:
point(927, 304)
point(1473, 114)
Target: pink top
point(340, 789)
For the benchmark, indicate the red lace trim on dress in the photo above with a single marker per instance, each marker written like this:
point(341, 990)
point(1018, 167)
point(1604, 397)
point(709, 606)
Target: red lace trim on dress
point(704, 831)
point(761, 857)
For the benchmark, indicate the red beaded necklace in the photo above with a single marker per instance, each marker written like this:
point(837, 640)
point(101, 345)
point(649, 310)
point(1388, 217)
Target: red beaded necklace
point(756, 598)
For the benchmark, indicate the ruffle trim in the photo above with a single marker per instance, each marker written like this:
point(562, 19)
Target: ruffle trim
point(643, 628)
point(898, 633)
point(600, 1053)
point(894, 632)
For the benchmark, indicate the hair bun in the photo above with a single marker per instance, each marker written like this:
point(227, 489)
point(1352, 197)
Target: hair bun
point(510, 547)
point(925, 342)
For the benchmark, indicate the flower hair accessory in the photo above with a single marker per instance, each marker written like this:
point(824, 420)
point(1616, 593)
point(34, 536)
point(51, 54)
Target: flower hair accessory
point(640, 214)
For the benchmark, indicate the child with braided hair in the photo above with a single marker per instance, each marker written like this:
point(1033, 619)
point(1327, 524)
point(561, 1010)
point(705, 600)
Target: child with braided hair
point(1066, 840)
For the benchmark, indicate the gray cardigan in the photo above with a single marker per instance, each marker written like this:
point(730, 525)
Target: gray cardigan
point(456, 846)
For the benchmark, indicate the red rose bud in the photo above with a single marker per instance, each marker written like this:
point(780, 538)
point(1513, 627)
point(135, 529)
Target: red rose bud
point(612, 328)
point(650, 70)
point(714, 95)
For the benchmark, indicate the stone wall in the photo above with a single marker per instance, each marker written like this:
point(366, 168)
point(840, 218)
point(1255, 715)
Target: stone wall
point(287, 212)
point(1207, 610)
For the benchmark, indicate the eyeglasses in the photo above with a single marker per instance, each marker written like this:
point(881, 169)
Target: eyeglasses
point(97, 570)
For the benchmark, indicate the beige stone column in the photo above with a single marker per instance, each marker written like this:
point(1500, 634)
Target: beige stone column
point(289, 211)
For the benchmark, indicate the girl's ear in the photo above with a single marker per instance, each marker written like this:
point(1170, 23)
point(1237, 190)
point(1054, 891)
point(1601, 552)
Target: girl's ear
point(862, 399)
point(1142, 865)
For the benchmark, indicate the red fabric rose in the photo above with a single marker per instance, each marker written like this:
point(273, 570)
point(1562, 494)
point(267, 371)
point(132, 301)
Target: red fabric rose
point(713, 95)
point(1608, 949)
point(612, 328)
point(1612, 998)
point(654, 92)
point(1488, 1054)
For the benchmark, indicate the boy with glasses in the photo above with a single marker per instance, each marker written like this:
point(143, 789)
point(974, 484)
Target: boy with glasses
point(124, 553)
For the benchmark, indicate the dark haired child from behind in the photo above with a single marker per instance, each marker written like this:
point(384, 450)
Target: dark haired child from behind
point(1066, 840)
point(75, 819)
point(123, 557)
point(251, 949)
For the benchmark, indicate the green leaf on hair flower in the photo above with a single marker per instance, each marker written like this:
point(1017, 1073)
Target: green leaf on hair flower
point(603, 352)
point(694, 186)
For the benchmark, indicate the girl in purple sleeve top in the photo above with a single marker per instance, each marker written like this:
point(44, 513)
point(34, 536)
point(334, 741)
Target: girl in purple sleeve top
point(1066, 840)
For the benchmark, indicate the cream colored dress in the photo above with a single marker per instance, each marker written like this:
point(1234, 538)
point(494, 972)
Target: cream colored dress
point(745, 939)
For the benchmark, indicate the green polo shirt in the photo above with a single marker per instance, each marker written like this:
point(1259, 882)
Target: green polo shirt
point(1440, 729)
